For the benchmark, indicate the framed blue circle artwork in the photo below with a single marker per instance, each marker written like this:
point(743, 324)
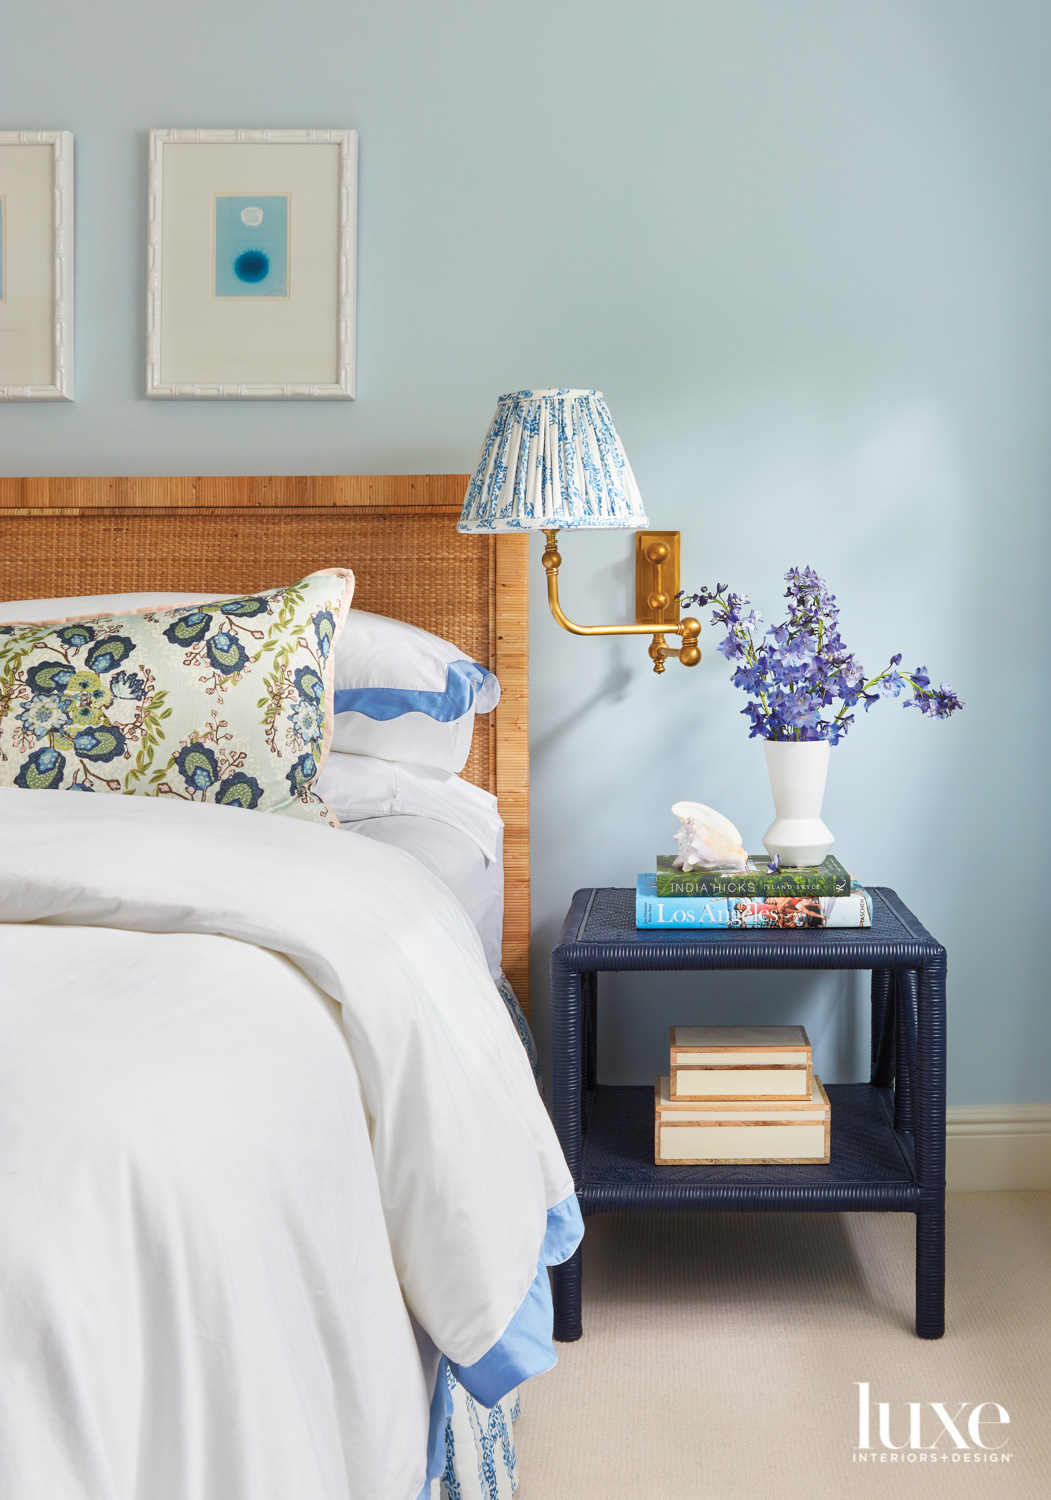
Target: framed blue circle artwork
point(252, 245)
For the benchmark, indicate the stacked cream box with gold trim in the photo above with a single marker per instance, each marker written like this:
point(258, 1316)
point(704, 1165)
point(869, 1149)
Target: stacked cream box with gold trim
point(740, 1094)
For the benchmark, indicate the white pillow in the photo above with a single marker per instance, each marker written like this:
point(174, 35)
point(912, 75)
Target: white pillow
point(400, 693)
point(365, 786)
point(405, 695)
point(31, 610)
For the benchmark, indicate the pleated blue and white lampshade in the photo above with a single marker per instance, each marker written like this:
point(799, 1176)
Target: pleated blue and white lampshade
point(552, 459)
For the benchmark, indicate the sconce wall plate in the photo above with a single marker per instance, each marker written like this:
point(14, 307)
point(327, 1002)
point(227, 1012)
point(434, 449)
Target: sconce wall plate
point(651, 578)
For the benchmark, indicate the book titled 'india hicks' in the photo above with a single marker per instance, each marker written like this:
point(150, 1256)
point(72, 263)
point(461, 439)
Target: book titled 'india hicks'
point(826, 879)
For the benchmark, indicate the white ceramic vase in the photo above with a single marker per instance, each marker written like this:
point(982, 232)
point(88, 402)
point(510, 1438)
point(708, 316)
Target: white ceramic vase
point(797, 770)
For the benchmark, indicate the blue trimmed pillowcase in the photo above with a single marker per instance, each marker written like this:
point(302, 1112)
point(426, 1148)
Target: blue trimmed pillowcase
point(227, 701)
point(403, 694)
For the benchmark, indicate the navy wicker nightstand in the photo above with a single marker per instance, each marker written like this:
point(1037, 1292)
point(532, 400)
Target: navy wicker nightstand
point(888, 1135)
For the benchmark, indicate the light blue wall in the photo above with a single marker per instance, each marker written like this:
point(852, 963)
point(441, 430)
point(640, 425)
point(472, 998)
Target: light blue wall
point(804, 250)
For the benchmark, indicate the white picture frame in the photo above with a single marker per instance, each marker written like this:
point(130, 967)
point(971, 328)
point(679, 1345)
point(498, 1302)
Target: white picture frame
point(283, 327)
point(36, 265)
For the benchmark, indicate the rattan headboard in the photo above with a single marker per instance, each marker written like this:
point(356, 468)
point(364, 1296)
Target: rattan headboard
point(398, 532)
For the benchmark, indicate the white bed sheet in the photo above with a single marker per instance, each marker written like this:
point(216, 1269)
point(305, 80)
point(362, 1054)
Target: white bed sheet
point(475, 881)
point(220, 1206)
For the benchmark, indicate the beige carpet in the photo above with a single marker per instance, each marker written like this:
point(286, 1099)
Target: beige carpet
point(720, 1355)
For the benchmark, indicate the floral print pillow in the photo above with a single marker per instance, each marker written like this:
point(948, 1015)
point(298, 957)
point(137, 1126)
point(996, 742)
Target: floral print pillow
point(227, 702)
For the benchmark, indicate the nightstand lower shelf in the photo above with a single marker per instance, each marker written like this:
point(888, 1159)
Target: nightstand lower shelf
point(871, 1165)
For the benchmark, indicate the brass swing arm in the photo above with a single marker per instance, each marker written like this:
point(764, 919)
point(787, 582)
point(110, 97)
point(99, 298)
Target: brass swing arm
point(657, 553)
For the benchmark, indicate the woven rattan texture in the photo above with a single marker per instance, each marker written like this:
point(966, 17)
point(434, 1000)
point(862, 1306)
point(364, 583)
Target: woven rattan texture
point(887, 1147)
point(618, 1161)
point(609, 929)
point(230, 533)
point(413, 566)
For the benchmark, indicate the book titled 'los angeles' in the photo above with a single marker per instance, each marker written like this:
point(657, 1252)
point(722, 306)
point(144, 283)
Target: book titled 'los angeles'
point(826, 879)
point(690, 913)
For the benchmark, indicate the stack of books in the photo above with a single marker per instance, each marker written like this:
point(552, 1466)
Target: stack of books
point(740, 1094)
point(816, 896)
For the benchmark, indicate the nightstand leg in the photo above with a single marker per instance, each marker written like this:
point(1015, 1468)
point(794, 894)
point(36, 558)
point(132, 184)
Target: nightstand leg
point(565, 1293)
point(930, 1273)
point(928, 1101)
point(572, 1059)
point(882, 1073)
point(590, 998)
point(567, 1062)
point(905, 1049)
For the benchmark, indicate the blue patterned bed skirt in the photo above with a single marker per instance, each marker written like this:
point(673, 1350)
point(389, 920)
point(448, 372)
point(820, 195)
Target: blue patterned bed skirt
point(480, 1462)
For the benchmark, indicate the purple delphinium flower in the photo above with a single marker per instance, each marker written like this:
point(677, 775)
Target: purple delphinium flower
point(797, 671)
point(936, 703)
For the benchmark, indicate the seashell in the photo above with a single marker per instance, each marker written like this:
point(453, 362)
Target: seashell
point(706, 840)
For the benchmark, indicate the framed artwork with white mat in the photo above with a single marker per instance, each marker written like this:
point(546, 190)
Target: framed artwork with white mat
point(251, 264)
point(36, 265)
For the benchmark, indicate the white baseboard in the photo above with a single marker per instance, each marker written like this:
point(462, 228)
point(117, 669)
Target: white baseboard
point(996, 1147)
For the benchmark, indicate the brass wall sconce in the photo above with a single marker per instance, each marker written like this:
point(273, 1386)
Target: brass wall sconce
point(552, 461)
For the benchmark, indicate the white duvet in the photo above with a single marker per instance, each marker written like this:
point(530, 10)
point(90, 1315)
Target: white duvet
point(259, 1102)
